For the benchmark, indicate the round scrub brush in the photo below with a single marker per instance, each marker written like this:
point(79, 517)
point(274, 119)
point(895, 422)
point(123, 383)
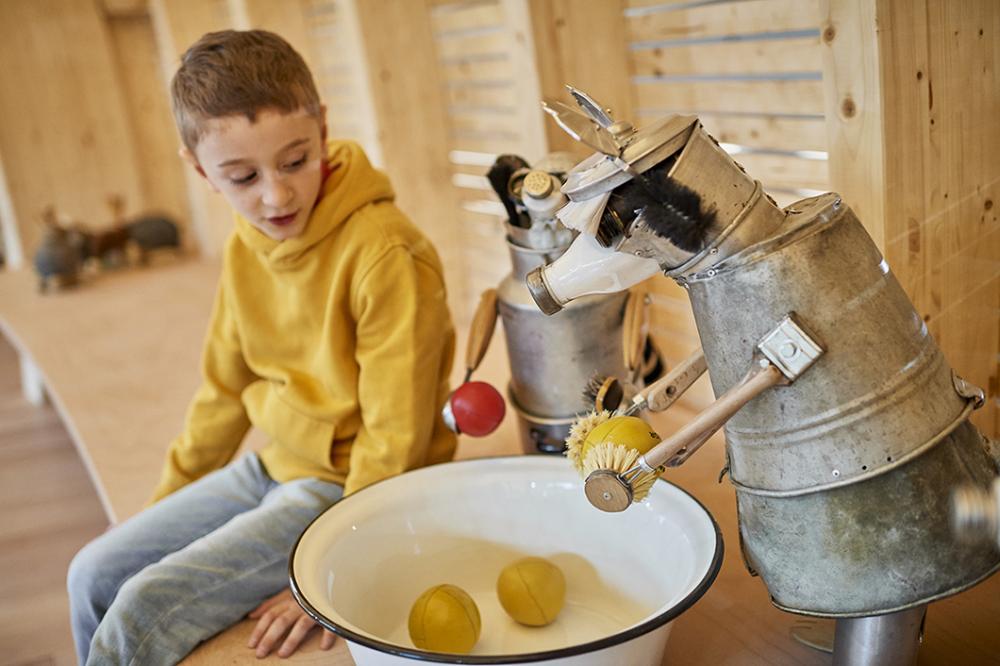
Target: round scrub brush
point(579, 432)
point(616, 443)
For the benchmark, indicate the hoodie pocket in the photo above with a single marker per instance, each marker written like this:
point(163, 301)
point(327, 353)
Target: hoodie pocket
point(302, 435)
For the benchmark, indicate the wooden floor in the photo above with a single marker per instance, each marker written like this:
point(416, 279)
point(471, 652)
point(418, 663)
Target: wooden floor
point(48, 509)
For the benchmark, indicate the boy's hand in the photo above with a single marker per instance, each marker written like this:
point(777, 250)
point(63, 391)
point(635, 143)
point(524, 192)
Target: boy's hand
point(278, 616)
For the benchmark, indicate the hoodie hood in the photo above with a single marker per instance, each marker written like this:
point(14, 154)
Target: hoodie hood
point(351, 182)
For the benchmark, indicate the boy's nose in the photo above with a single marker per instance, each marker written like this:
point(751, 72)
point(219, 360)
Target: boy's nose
point(276, 193)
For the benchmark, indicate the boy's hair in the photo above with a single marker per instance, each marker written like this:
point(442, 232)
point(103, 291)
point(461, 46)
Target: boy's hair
point(239, 72)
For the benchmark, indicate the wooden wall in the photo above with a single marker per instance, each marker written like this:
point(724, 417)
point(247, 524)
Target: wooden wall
point(913, 116)
point(435, 89)
point(63, 117)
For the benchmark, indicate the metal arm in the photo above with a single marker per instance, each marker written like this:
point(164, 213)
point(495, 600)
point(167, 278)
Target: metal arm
point(780, 358)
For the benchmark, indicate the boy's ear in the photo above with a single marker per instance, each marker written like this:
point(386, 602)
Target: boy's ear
point(190, 158)
point(322, 123)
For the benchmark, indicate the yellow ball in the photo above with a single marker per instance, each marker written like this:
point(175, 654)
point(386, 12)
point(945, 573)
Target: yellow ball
point(445, 619)
point(532, 590)
point(628, 431)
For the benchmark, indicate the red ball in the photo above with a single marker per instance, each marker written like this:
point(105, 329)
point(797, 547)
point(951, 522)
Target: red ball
point(477, 408)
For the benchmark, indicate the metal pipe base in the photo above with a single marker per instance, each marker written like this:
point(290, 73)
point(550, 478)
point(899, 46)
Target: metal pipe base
point(879, 640)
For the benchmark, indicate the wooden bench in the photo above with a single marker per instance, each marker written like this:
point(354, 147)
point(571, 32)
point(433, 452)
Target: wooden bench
point(118, 357)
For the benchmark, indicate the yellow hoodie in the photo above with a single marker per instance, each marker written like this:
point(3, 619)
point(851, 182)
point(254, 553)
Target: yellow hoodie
point(336, 343)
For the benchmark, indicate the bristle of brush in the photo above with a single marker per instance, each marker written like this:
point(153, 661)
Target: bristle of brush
point(578, 432)
point(668, 208)
point(499, 175)
point(593, 388)
point(618, 459)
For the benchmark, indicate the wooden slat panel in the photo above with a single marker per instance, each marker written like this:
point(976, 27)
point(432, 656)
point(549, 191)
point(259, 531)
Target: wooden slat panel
point(779, 170)
point(64, 134)
point(465, 16)
point(777, 55)
point(499, 124)
point(494, 42)
point(773, 97)
point(913, 108)
point(497, 97)
point(480, 144)
point(478, 69)
point(408, 104)
point(584, 44)
point(765, 131)
point(714, 20)
point(161, 171)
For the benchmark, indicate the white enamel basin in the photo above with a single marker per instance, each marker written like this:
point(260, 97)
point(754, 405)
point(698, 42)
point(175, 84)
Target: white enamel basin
point(358, 568)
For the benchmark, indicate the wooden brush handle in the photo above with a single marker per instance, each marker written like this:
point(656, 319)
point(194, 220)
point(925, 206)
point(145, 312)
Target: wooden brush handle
point(667, 389)
point(481, 330)
point(696, 432)
point(633, 335)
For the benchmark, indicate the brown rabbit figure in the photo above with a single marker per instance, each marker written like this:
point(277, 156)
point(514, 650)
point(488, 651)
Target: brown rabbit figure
point(109, 245)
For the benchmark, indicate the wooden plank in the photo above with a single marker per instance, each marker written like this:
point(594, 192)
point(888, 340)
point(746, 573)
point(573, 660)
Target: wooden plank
point(853, 107)
point(66, 143)
point(177, 24)
point(471, 68)
point(125, 8)
point(160, 170)
point(493, 41)
point(723, 19)
point(760, 56)
point(784, 171)
point(470, 96)
point(409, 106)
point(766, 97)
point(466, 17)
point(582, 44)
point(482, 143)
point(763, 131)
point(913, 106)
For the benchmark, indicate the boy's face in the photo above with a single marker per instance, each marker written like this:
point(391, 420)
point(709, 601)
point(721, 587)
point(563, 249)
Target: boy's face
point(270, 170)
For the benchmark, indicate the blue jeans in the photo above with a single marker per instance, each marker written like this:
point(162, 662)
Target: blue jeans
point(151, 589)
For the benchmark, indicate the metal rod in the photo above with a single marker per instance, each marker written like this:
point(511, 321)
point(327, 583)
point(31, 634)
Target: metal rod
point(879, 640)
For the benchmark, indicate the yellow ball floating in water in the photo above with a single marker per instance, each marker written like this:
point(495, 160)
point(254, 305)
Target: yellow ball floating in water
point(532, 590)
point(445, 619)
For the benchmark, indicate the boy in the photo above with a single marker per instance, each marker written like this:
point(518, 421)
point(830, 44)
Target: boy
point(330, 333)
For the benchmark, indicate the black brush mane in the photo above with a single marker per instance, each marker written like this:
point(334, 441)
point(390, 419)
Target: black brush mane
point(499, 176)
point(668, 208)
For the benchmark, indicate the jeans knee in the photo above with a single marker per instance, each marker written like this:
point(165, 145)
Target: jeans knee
point(83, 576)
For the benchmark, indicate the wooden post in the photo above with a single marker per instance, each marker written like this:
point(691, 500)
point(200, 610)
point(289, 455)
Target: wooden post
point(853, 104)
point(919, 157)
point(177, 24)
point(65, 143)
point(406, 88)
point(582, 44)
